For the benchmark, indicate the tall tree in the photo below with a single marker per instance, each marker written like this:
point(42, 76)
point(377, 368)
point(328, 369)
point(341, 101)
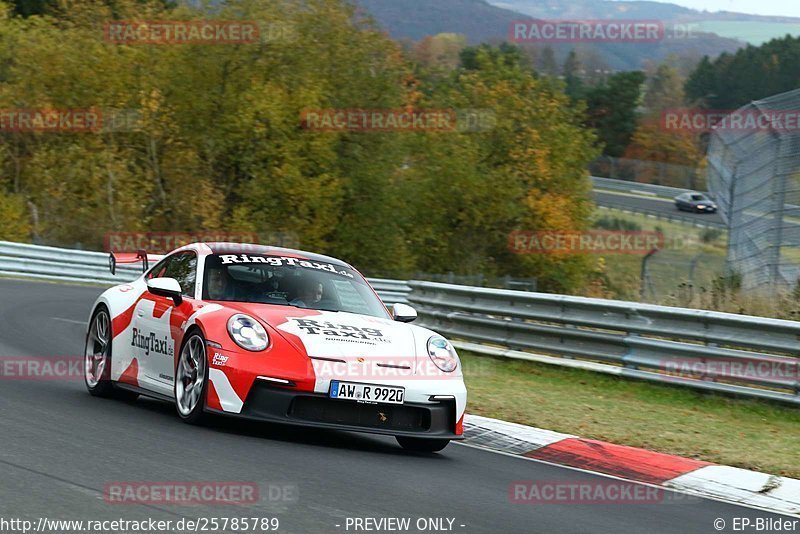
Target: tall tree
point(752, 73)
point(664, 88)
point(613, 110)
point(440, 51)
point(572, 75)
point(701, 85)
point(525, 170)
point(548, 65)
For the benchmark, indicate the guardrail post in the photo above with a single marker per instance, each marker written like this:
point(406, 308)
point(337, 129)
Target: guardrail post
point(628, 350)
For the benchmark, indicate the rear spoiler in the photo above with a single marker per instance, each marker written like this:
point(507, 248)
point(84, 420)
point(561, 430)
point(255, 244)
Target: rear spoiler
point(132, 257)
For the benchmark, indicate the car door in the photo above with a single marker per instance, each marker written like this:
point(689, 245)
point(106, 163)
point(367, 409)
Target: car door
point(158, 325)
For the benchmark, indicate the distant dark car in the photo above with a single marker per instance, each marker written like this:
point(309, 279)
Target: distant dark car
point(696, 202)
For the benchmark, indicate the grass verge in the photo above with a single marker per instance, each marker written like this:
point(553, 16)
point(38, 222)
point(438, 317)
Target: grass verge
point(743, 433)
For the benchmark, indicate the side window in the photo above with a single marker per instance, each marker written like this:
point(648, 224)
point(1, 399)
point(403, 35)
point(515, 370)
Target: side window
point(183, 268)
point(159, 269)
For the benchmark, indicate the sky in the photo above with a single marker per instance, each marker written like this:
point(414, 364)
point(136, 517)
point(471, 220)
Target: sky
point(787, 8)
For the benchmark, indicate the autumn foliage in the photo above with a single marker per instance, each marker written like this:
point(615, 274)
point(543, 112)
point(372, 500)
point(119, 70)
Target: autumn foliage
point(217, 142)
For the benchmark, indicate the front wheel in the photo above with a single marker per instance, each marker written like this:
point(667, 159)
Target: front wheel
point(97, 355)
point(97, 359)
point(422, 444)
point(191, 379)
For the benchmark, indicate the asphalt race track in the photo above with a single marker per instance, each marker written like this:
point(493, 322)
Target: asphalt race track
point(651, 204)
point(60, 447)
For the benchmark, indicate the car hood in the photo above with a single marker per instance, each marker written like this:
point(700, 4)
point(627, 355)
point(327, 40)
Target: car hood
point(339, 335)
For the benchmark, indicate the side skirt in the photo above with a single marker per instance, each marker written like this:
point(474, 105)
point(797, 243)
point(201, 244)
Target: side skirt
point(145, 392)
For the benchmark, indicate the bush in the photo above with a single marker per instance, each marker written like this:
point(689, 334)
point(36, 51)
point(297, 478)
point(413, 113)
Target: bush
point(14, 222)
point(616, 223)
point(710, 235)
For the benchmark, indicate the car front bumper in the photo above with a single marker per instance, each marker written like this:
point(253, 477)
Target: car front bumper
point(278, 404)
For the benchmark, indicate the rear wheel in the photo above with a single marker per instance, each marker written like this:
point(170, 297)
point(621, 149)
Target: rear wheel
point(422, 444)
point(191, 379)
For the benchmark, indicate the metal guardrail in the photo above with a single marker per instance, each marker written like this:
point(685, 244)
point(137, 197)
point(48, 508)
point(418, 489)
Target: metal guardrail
point(750, 356)
point(677, 217)
point(651, 191)
point(391, 291)
point(636, 188)
point(68, 265)
point(744, 355)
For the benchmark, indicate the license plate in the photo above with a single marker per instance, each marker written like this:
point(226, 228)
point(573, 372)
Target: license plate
point(371, 393)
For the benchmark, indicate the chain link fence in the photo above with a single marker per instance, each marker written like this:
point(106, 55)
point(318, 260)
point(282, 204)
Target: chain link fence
point(680, 278)
point(754, 174)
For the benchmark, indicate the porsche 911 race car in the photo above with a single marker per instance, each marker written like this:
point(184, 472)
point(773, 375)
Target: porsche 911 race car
point(277, 335)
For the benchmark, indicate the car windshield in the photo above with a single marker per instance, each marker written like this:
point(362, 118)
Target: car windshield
point(699, 197)
point(288, 281)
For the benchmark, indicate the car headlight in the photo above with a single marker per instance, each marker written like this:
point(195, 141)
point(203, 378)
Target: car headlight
point(442, 354)
point(247, 332)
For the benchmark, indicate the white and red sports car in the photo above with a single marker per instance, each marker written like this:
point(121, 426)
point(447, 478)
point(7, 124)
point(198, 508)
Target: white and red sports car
point(273, 334)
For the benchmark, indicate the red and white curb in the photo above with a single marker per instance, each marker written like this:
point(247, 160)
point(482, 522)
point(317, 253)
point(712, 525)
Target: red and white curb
point(695, 477)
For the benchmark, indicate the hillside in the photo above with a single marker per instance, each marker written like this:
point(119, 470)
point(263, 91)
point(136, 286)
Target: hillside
point(415, 19)
point(607, 9)
point(595, 9)
point(481, 22)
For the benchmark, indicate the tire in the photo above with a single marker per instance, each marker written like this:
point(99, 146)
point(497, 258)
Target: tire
point(422, 444)
point(191, 379)
point(97, 358)
point(97, 354)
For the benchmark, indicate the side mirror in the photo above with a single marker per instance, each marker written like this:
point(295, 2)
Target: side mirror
point(166, 287)
point(403, 313)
